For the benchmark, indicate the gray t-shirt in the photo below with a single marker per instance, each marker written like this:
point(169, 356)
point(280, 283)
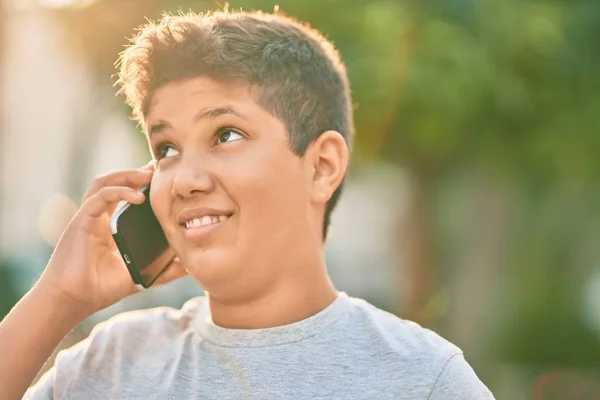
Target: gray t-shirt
point(350, 350)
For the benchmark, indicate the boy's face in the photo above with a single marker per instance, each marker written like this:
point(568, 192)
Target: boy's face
point(233, 199)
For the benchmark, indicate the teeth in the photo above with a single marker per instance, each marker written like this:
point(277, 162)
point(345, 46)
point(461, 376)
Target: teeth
point(205, 220)
point(192, 223)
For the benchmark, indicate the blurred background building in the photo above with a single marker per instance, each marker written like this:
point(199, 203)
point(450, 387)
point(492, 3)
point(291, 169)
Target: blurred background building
point(473, 203)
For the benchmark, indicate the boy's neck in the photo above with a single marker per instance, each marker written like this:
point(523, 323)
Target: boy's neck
point(288, 302)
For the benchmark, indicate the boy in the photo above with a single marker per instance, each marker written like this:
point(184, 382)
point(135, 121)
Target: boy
point(249, 120)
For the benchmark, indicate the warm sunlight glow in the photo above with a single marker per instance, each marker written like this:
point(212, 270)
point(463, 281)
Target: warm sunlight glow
point(64, 3)
point(54, 217)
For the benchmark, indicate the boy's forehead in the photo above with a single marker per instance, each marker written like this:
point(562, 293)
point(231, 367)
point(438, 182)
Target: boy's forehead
point(196, 93)
point(202, 92)
point(199, 88)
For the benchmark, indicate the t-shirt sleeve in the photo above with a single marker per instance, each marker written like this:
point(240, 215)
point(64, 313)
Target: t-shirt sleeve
point(43, 389)
point(458, 381)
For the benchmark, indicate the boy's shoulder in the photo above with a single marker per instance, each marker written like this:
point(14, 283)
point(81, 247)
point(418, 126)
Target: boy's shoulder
point(403, 337)
point(138, 331)
point(407, 355)
point(150, 324)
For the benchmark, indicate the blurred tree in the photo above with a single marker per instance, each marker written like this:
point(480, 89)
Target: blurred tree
point(9, 295)
point(509, 88)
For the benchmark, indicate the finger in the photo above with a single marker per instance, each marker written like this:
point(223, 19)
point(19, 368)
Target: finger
point(131, 178)
point(108, 197)
point(173, 272)
point(134, 178)
point(150, 166)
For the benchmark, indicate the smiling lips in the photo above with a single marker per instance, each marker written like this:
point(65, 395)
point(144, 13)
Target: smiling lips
point(198, 219)
point(197, 228)
point(205, 220)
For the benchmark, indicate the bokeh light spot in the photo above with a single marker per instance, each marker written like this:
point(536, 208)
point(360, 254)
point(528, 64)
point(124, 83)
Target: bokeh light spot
point(54, 217)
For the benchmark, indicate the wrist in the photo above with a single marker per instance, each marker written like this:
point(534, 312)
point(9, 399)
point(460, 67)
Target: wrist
point(64, 307)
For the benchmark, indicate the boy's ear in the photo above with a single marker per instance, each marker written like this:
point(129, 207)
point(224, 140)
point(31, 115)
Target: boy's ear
point(328, 155)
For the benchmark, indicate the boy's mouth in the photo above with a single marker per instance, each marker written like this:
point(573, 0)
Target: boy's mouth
point(205, 220)
point(196, 229)
point(200, 221)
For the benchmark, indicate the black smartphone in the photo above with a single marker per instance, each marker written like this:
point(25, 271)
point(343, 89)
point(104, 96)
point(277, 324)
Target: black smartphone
point(141, 241)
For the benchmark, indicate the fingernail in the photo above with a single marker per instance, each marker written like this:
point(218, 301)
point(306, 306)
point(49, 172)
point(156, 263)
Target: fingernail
point(147, 165)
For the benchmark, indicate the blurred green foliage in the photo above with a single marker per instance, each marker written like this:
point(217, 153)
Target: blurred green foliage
point(507, 89)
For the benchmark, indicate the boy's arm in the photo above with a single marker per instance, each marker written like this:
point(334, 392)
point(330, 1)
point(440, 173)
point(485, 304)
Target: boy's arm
point(28, 336)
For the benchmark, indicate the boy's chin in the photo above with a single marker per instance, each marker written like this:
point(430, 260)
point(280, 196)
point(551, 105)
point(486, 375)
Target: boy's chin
point(209, 269)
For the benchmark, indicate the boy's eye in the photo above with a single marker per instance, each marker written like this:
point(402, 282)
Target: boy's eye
point(228, 135)
point(165, 150)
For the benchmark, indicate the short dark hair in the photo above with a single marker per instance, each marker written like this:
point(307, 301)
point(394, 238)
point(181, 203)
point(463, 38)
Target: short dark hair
point(297, 73)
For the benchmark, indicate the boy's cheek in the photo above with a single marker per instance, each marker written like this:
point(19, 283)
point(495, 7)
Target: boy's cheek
point(161, 201)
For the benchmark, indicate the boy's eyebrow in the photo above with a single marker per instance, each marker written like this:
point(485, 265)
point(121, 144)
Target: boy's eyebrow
point(213, 113)
point(210, 113)
point(155, 128)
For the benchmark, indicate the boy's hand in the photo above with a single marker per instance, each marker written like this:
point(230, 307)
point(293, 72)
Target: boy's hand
point(85, 270)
